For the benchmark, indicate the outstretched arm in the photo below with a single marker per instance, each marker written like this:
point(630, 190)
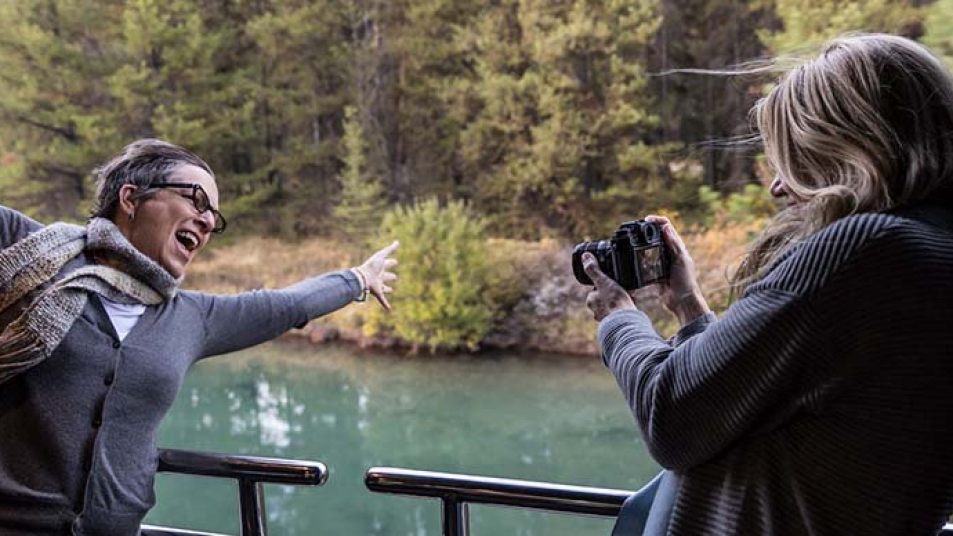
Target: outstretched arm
point(242, 320)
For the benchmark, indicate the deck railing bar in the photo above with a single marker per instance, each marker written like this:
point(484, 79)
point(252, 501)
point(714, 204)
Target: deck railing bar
point(251, 472)
point(455, 517)
point(152, 530)
point(251, 500)
point(456, 490)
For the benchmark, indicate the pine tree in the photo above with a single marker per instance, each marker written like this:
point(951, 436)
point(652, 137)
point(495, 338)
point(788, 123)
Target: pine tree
point(363, 199)
point(54, 55)
point(300, 77)
point(808, 23)
point(559, 123)
point(404, 53)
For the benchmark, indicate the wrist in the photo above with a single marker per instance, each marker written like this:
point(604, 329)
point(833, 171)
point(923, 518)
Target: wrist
point(690, 307)
point(362, 281)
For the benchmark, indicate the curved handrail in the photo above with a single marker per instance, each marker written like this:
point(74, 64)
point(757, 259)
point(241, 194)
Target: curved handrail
point(257, 468)
point(250, 472)
point(498, 491)
point(151, 530)
point(456, 490)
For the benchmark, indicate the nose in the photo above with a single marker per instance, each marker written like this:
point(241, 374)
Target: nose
point(206, 221)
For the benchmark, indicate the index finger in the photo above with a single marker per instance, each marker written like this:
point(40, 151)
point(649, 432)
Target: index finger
point(591, 267)
point(386, 251)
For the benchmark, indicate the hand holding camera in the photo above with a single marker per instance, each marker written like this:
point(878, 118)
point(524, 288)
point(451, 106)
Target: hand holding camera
point(640, 253)
point(634, 257)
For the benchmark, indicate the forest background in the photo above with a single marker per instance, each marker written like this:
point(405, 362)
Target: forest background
point(489, 136)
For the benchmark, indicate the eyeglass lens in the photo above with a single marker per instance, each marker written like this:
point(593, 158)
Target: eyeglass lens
point(201, 201)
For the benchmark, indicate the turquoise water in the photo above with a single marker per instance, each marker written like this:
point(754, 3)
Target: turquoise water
point(546, 418)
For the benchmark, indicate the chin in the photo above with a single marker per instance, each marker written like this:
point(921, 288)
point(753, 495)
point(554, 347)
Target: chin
point(175, 271)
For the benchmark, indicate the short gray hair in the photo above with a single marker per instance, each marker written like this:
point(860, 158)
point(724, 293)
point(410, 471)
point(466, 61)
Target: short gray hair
point(140, 163)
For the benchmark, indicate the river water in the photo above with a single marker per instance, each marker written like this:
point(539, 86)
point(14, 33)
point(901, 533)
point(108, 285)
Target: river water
point(545, 418)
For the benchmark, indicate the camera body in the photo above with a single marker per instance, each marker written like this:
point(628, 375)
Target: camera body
point(634, 257)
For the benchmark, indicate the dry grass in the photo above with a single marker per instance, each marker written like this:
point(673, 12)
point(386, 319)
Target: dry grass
point(256, 263)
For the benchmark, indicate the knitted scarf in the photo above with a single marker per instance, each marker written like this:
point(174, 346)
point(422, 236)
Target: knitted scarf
point(127, 276)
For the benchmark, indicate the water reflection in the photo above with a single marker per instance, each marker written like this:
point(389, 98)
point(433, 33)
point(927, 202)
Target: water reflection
point(558, 420)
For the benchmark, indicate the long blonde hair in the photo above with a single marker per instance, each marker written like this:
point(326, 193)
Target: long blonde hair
point(867, 126)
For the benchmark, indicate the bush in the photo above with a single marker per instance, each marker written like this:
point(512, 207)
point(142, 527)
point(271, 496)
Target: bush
point(443, 278)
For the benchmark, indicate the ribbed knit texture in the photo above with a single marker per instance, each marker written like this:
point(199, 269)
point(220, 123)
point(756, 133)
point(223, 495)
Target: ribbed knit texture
point(822, 402)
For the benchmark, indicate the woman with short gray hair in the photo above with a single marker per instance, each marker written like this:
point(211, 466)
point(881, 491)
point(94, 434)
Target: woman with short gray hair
point(97, 337)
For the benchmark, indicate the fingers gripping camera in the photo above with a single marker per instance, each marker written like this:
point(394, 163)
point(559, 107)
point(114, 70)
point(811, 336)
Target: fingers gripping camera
point(634, 257)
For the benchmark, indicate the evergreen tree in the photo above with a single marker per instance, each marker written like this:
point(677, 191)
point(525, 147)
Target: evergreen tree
point(404, 53)
point(363, 199)
point(300, 75)
point(54, 56)
point(558, 119)
point(807, 23)
point(707, 111)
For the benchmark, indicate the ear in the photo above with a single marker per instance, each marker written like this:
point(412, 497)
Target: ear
point(126, 207)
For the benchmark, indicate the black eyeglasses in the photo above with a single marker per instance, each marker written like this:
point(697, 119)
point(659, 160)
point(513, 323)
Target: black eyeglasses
point(199, 199)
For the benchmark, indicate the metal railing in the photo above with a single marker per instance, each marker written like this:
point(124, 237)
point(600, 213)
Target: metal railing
point(456, 491)
point(151, 530)
point(251, 472)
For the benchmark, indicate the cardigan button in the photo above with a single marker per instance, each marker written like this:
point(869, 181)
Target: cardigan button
point(109, 379)
point(97, 422)
point(116, 344)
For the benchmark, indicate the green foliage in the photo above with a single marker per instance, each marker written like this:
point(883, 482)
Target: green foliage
point(939, 29)
point(362, 204)
point(556, 118)
point(53, 57)
point(443, 277)
point(542, 115)
point(752, 204)
point(808, 23)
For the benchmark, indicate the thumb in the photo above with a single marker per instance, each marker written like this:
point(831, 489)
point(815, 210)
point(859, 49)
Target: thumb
point(591, 267)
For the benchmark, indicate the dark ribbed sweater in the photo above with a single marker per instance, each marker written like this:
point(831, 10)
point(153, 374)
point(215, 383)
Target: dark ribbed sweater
point(77, 432)
point(822, 401)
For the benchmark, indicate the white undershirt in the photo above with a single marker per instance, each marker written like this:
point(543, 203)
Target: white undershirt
point(123, 315)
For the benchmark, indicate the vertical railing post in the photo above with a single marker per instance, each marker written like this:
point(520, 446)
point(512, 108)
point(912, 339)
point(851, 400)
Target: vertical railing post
point(456, 517)
point(251, 507)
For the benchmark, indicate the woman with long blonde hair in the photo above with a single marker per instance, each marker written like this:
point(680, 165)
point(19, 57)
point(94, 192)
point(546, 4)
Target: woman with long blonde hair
point(820, 402)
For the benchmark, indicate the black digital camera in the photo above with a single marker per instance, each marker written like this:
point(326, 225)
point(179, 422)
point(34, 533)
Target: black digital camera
point(634, 257)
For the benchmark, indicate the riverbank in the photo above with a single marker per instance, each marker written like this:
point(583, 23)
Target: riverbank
point(538, 304)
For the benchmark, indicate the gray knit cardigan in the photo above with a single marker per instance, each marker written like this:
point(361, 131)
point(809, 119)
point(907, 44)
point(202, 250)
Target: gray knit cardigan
point(78, 431)
point(821, 402)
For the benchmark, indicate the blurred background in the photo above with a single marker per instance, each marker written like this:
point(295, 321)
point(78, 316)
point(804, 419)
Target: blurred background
point(525, 126)
point(488, 136)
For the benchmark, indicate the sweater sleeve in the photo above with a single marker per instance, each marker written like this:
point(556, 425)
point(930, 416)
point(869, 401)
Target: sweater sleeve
point(693, 400)
point(234, 322)
point(14, 226)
